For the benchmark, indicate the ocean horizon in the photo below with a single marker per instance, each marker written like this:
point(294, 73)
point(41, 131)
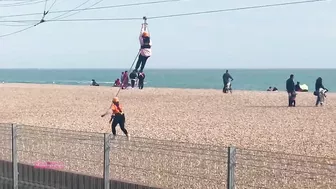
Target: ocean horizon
point(244, 79)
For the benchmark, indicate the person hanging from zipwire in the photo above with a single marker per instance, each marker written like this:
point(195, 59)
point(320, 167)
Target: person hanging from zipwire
point(118, 117)
point(145, 50)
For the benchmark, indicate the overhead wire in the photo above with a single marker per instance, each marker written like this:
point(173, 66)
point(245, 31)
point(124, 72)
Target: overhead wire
point(235, 9)
point(171, 15)
point(22, 3)
point(19, 31)
point(181, 14)
point(27, 28)
point(14, 25)
point(55, 18)
point(82, 10)
point(52, 5)
point(44, 13)
point(96, 8)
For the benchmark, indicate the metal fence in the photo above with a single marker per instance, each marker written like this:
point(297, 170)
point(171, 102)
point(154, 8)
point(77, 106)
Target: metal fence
point(120, 163)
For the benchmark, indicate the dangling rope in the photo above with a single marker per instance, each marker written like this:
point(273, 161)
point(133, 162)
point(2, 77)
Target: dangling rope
point(121, 84)
point(135, 59)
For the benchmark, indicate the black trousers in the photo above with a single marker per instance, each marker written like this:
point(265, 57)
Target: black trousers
point(141, 84)
point(141, 60)
point(119, 119)
point(132, 82)
point(225, 83)
point(291, 99)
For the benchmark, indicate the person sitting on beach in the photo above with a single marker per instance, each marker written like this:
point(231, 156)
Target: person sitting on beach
point(116, 83)
point(297, 87)
point(145, 50)
point(94, 83)
point(274, 89)
point(118, 117)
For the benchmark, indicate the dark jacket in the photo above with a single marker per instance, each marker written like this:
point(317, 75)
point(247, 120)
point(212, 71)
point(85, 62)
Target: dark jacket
point(318, 84)
point(141, 77)
point(290, 85)
point(133, 75)
point(226, 77)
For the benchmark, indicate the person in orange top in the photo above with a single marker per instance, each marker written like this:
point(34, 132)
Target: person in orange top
point(118, 117)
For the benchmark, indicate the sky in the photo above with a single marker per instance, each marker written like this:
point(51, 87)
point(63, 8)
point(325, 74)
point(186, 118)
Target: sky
point(295, 36)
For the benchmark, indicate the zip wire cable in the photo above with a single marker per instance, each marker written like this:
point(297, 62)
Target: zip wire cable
point(22, 3)
point(237, 9)
point(55, 18)
point(22, 30)
point(19, 31)
point(175, 15)
point(52, 5)
point(96, 8)
point(44, 13)
point(183, 14)
point(83, 10)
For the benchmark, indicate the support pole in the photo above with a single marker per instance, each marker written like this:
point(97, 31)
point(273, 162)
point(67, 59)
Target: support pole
point(14, 158)
point(107, 141)
point(231, 167)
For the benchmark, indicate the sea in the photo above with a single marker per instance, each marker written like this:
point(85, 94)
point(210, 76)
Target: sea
point(244, 79)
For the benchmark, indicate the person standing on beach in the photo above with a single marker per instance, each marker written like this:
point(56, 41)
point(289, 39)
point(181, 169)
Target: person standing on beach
point(133, 77)
point(124, 84)
point(318, 86)
point(226, 78)
point(118, 117)
point(122, 77)
point(141, 78)
point(145, 50)
point(290, 87)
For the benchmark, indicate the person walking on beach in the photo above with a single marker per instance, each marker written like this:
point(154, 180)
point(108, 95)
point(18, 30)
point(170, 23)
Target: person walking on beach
point(145, 50)
point(141, 78)
point(226, 78)
point(318, 86)
point(290, 87)
point(117, 117)
point(133, 77)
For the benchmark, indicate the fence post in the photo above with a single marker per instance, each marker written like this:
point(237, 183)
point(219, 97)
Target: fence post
point(231, 163)
point(14, 159)
point(107, 140)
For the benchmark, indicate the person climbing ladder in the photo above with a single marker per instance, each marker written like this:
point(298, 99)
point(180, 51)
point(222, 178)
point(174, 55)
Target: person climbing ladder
point(146, 44)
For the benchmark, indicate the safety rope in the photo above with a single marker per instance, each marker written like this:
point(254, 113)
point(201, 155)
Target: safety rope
point(121, 84)
point(135, 59)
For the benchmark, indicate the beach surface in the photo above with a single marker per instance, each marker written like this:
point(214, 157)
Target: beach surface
point(245, 119)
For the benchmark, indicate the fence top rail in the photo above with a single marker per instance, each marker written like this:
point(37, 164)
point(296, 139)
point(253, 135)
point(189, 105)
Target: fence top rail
point(172, 143)
point(256, 152)
point(57, 130)
point(5, 125)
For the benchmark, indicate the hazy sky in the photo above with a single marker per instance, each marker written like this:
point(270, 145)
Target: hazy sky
point(300, 36)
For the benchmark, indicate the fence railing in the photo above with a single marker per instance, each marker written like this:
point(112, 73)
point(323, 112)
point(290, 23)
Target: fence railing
point(150, 162)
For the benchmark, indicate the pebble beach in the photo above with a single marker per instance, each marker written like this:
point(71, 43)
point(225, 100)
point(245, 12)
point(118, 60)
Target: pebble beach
point(246, 119)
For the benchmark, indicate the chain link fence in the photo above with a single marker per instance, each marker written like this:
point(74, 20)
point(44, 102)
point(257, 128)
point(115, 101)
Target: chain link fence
point(46, 158)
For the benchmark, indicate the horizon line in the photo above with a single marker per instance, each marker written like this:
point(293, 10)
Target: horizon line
point(166, 68)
